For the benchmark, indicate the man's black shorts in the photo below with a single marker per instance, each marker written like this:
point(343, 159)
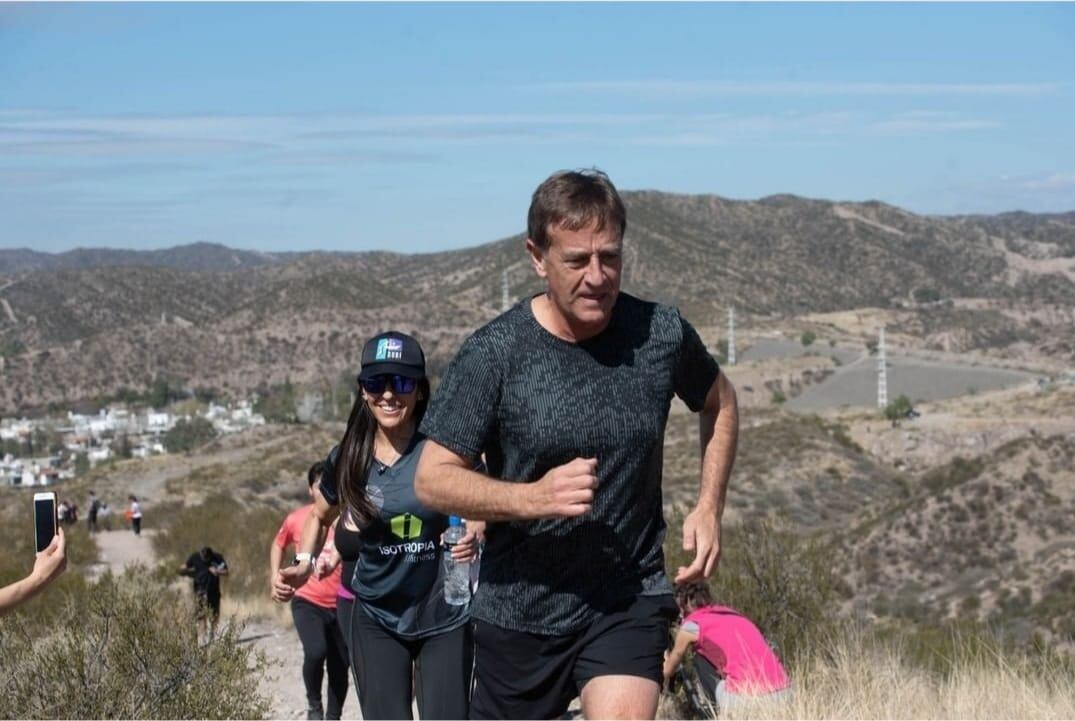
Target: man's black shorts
point(522, 675)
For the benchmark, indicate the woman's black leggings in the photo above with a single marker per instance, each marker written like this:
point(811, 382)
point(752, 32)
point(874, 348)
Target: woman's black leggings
point(383, 666)
point(322, 645)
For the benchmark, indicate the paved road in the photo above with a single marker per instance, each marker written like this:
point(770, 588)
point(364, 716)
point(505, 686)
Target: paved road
point(920, 380)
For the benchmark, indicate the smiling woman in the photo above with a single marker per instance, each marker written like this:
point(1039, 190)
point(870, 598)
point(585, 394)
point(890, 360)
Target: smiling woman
point(401, 630)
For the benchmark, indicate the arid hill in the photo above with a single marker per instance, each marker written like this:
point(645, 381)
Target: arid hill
point(87, 322)
point(987, 537)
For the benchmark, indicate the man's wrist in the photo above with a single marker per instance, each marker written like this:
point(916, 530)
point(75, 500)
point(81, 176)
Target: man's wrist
point(710, 508)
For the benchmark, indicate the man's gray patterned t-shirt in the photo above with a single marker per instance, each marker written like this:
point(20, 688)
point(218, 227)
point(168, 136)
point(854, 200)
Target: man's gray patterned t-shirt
point(531, 401)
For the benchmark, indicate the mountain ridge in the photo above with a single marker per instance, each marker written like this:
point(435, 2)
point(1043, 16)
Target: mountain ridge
point(240, 319)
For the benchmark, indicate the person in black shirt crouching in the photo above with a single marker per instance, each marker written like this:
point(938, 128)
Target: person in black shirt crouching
point(206, 567)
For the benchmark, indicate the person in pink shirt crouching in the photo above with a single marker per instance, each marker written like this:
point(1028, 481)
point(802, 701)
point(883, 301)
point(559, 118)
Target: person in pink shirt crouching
point(733, 661)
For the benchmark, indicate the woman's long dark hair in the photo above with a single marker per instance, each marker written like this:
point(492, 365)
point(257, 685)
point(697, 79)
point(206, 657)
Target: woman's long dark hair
point(356, 455)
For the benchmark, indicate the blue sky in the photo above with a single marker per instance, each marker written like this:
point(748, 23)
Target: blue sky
point(422, 127)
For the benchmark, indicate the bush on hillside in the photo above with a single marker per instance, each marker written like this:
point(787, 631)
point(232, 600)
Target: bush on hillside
point(122, 649)
point(898, 409)
point(186, 435)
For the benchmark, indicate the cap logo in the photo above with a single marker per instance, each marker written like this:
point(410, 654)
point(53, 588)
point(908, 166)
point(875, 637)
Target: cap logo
point(389, 349)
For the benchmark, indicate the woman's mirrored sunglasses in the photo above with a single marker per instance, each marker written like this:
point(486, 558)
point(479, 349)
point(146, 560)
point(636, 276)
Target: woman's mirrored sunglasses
point(401, 385)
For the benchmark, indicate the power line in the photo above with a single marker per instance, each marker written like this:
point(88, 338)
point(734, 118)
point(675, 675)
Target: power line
point(882, 371)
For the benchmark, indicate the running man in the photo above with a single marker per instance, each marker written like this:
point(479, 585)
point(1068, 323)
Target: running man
point(568, 394)
point(206, 567)
point(313, 608)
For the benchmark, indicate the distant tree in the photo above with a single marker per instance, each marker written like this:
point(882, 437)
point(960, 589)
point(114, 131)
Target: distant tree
point(123, 446)
point(165, 390)
point(187, 435)
point(277, 404)
point(926, 295)
point(871, 347)
point(808, 337)
point(898, 409)
point(778, 397)
point(82, 464)
point(206, 394)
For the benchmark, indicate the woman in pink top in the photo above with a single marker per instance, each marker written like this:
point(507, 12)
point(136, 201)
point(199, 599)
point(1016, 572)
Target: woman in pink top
point(313, 608)
point(733, 661)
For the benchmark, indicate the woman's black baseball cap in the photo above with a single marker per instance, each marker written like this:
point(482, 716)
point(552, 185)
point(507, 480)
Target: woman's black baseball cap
point(392, 353)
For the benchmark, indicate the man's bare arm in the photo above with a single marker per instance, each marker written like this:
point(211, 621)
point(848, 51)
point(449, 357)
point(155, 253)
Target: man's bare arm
point(718, 430)
point(445, 482)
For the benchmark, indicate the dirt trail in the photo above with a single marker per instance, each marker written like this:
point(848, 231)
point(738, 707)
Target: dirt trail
point(119, 549)
point(282, 681)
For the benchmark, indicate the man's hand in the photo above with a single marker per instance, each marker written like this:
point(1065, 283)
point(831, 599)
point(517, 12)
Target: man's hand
point(565, 491)
point(52, 561)
point(701, 535)
point(289, 579)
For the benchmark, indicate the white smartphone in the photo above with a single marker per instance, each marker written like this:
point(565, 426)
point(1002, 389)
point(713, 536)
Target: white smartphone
point(44, 520)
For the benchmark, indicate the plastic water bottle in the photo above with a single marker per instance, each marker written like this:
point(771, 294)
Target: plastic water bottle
point(456, 575)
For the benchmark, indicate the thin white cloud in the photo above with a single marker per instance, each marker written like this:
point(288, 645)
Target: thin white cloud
point(1048, 182)
point(336, 139)
point(128, 147)
point(929, 124)
point(686, 88)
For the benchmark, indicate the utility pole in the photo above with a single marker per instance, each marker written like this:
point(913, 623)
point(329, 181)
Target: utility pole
point(882, 372)
point(731, 336)
point(505, 301)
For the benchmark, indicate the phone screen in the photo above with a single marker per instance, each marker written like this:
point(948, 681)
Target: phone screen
point(44, 522)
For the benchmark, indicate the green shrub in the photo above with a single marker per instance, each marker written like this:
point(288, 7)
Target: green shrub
point(120, 650)
point(898, 408)
point(186, 435)
point(808, 337)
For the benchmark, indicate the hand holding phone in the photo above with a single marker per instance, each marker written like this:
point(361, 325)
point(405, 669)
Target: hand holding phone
point(52, 561)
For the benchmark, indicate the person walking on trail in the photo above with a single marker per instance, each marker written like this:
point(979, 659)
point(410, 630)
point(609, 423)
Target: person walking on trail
point(405, 639)
point(206, 567)
point(313, 609)
point(568, 394)
point(732, 659)
point(136, 515)
point(91, 514)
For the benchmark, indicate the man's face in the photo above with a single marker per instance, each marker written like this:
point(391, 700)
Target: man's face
point(582, 269)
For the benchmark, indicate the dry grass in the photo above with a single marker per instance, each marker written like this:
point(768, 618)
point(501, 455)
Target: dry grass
point(243, 609)
point(859, 678)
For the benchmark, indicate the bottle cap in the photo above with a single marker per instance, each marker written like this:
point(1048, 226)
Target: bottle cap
point(455, 521)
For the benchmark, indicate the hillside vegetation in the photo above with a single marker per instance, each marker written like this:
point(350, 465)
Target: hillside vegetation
point(86, 323)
